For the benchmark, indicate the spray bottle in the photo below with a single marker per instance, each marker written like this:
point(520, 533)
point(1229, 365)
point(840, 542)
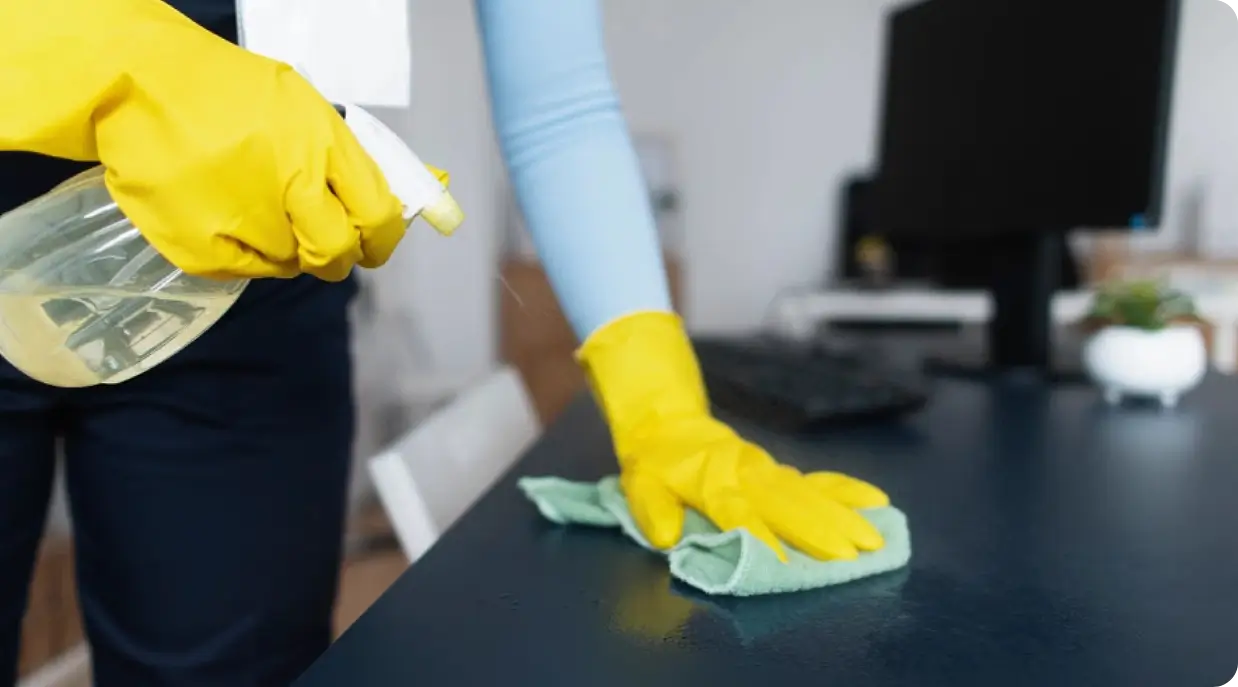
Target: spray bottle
point(85, 300)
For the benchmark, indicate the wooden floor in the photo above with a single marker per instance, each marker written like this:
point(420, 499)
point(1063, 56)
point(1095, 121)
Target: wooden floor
point(363, 581)
point(365, 576)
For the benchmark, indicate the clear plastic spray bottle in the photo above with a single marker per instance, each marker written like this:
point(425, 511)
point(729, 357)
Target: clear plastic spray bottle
point(85, 300)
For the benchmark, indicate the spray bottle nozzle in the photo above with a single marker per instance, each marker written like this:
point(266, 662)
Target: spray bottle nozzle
point(421, 188)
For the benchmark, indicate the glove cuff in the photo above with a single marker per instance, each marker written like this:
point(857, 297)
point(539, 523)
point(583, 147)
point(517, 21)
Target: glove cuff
point(641, 369)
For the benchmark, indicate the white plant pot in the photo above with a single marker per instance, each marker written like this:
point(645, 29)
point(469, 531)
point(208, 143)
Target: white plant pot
point(1130, 362)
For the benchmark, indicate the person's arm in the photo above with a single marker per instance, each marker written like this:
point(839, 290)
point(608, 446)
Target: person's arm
point(571, 160)
point(579, 184)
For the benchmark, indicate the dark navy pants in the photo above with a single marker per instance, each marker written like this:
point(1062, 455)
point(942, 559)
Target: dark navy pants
point(208, 495)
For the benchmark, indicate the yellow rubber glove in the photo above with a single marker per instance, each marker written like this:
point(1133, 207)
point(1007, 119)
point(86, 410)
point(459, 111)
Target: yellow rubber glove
point(673, 453)
point(229, 163)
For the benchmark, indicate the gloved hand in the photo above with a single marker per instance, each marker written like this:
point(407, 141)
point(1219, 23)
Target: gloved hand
point(229, 163)
point(673, 453)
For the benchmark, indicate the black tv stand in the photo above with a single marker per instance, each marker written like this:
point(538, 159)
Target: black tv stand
point(1024, 273)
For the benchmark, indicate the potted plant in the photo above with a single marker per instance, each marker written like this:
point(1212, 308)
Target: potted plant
point(1145, 340)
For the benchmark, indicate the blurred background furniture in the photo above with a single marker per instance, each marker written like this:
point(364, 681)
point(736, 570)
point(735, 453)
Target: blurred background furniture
point(802, 315)
point(432, 475)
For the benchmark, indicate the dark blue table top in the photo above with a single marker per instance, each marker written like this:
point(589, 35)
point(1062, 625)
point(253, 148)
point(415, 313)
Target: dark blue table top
point(1056, 543)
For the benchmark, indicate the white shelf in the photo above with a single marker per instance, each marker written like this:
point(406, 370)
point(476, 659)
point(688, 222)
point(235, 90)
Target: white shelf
point(798, 315)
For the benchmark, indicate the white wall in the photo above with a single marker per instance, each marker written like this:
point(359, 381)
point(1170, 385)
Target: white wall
point(769, 111)
point(1203, 161)
point(770, 105)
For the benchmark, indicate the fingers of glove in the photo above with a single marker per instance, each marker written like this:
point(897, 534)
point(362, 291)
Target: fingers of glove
point(230, 259)
point(378, 243)
point(362, 189)
point(818, 526)
point(327, 244)
point(657, 511)
point(213, 256)
point(225, 259)
point(846, 520)
point(810, 531)
point(196, 237)
point(848, 491)
point(732, 511)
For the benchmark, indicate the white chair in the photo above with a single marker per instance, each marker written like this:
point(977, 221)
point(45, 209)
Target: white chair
point(427, 479)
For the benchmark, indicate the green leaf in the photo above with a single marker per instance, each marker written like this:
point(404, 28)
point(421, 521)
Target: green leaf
point(1145, 304)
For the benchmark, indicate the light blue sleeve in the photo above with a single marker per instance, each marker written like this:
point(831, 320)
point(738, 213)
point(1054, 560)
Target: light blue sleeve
point(570, 158)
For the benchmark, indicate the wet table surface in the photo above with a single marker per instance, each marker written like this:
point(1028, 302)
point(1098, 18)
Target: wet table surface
point(1055, 543)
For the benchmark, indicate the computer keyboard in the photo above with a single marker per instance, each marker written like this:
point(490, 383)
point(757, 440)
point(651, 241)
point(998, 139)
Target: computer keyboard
point(798, 386)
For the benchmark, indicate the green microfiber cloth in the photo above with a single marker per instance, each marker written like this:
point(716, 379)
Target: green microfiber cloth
point(721, 563)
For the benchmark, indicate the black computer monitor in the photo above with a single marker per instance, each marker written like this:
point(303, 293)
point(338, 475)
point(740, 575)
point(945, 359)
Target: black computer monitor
point(1007, 124)
point(919, 258)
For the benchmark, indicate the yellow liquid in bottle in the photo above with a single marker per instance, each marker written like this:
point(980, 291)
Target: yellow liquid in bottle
point(85, 336)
